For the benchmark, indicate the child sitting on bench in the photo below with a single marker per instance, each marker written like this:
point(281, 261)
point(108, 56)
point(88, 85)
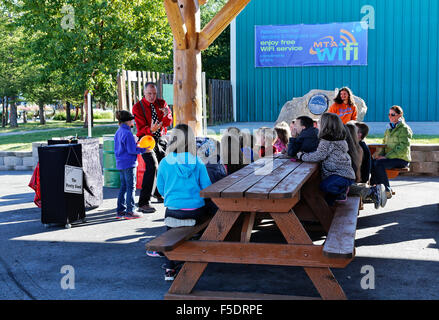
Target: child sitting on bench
point(304, 136)
point(337, 172)
point(181, 176)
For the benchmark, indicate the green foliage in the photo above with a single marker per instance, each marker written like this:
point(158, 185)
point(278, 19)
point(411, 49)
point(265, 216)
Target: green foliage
point(216, 58)
point(76, 46)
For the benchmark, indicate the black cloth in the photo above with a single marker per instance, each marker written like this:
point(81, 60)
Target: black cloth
point(154, 120)
point(152, 160)
point(366, 163)
point(307, 141)
point(58, 206)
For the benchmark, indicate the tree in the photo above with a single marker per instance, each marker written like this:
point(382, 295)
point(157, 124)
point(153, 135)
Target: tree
point(12, 64)
point(216, 58)
point(86, 41)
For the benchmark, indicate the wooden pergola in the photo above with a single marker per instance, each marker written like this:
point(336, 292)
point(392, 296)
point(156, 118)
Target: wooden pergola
point(189, 41)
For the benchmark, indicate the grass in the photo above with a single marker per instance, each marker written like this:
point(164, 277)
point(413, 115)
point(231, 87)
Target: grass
point(23, 142)
point(50, 124)
point(417, 139)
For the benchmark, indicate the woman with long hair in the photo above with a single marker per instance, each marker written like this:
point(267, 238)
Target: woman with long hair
point(344, 105)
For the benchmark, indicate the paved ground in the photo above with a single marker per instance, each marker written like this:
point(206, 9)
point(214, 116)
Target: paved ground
point(397, 245)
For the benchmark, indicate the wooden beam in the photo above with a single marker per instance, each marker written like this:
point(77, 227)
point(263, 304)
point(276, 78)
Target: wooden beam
point(255, 253)
point(221, 20)
point(176, 22)
point(202, 2)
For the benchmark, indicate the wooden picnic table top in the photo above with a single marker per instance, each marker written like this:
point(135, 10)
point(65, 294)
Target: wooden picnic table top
point(268, 178)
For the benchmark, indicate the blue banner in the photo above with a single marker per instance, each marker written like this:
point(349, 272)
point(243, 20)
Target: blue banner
point(335, 44)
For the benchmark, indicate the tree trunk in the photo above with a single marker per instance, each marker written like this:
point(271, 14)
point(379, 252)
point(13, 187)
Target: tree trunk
point(42, 115)
point(187, 71)
point(76, 113)
point(24, 116)
point(68, 115)
point(4, 112)
point(82, 112)
point(14, 123)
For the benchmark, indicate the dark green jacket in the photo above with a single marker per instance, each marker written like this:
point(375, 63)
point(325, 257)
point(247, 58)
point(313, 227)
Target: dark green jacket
point(398, 142)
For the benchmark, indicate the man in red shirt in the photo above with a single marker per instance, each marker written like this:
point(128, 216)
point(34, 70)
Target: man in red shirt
point(152, 117)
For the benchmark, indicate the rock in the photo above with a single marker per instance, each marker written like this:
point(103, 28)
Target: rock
point(299, 106)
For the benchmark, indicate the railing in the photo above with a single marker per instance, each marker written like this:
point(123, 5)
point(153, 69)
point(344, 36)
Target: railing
point(219, 93)
point(130, 86)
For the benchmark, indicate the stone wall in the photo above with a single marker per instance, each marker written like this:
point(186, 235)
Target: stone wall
point(27, 160)
point(16, 160)
point(425, 160)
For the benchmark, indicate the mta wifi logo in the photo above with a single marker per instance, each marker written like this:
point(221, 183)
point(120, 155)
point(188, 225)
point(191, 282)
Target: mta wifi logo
point(327, 48)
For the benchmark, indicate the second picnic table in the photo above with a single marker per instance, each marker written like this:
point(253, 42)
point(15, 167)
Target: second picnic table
point(287, 191)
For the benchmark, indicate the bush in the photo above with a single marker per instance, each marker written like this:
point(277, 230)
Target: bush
point(97, 114)
point(101, 114)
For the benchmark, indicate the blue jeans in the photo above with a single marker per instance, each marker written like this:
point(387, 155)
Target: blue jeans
point(378, 173)
point(335, 186)
point(125, 200)
point(197, 214)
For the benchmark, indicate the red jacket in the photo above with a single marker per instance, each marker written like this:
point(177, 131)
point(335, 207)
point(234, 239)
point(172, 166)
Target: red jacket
point(144, 125)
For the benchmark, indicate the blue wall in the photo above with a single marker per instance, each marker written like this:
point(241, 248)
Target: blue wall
point(402, 58)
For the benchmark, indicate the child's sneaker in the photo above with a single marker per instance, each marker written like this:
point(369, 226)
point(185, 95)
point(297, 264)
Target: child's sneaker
point(154, 254)
point(170, 274)
point(133, 215)
point(382, 189)
point(120, 215)
point(376, 196)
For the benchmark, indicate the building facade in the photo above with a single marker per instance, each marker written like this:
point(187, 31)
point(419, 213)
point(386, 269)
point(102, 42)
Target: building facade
point(402, 65)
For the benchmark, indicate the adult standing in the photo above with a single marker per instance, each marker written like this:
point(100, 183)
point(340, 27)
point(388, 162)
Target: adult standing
point(152, 117)
point(344, 105)
point(396, 154)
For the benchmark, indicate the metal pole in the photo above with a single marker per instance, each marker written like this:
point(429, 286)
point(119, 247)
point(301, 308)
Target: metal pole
point(89, 113)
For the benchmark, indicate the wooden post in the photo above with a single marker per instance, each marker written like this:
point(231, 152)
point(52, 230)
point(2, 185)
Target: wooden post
point(184, 19)
point(187, 70)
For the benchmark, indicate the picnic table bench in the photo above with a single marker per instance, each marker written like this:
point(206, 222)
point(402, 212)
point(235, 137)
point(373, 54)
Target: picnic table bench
point(286, 191)
point(391, 173)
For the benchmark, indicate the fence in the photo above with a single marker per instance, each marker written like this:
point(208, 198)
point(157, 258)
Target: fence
point(130, 86)
point(220, 101)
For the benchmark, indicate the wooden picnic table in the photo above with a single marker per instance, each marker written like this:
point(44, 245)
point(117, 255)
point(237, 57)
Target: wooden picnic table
point(288, 192)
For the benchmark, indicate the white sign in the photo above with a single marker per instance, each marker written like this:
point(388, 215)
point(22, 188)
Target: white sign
point(73, 179)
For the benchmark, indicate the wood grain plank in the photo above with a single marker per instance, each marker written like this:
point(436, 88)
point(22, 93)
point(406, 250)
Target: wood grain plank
point(262, 189)
point(289, 186)
point(191, 272)
point(340, 241)
point(238, 189)
point(255, 253)
point(214, 190)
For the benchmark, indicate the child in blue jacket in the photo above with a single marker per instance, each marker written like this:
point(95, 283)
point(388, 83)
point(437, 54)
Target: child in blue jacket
point(181, 176)
point(125, 151)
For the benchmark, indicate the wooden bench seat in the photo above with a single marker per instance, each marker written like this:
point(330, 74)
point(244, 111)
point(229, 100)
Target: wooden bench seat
point(394, 172)
point(340, 242)
point(172, 238)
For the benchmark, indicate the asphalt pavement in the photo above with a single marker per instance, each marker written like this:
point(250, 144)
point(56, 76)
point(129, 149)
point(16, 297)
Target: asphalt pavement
point(397, 254)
